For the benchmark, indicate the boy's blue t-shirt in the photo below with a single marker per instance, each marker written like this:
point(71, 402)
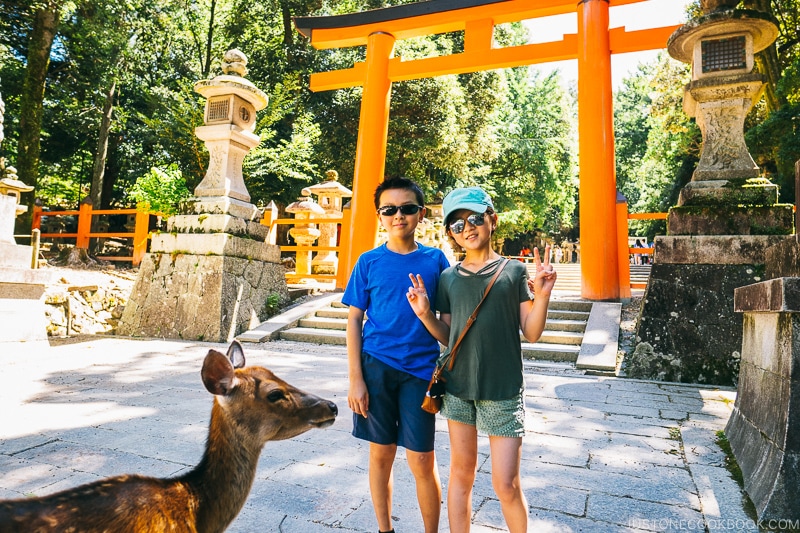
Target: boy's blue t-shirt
point(392, 332)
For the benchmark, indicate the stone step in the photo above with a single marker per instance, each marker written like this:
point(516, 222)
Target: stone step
point(557, 324)
point(557, 314)
point(559, 337)
point(320, 322)
point(335, 319)
point(316, 336)
point(557, 310)
point(543, 351)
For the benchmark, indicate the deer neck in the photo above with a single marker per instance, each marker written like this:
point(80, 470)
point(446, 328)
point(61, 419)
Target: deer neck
point(223, 478)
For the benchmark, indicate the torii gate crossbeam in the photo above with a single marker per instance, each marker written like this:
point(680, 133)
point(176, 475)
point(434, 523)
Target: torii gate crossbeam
point(592, 46)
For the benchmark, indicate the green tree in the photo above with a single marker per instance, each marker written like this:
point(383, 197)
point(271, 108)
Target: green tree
point(535, 177)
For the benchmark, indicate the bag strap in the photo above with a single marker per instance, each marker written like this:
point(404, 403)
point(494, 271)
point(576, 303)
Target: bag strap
point(474, 315)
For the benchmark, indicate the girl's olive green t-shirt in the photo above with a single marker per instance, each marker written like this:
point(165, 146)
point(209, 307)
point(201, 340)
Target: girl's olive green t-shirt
point(488, 364)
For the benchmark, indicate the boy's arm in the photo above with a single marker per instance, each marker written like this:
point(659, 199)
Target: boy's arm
point(357, 396)
point(418, 299)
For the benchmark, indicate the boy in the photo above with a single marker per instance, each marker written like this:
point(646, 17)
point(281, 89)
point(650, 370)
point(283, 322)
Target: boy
point(391, 356)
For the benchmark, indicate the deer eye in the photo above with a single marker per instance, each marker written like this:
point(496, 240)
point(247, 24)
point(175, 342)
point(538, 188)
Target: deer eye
point(275, 395)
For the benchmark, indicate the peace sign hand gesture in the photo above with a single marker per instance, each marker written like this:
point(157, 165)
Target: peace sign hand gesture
point(418, 296)
point(545, 277)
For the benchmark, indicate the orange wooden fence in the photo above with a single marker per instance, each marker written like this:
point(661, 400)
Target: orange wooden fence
point(84, 232)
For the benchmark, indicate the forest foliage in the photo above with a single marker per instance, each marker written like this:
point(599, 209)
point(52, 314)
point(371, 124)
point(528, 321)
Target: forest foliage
point(99, 93)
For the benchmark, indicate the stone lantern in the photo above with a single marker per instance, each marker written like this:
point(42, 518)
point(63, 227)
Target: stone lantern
point(229, 121)
point(330, 194)
point(720, 46)
point(727, 216)
point(209, 275)
point(304, 233)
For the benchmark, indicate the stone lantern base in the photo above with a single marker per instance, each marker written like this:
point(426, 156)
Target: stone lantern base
point(209, 278)
point(22, 309)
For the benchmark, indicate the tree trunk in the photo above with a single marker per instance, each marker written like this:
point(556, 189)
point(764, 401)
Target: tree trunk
point(767, 62)
point(209, 39)
point(96, 189)
point(42, 34)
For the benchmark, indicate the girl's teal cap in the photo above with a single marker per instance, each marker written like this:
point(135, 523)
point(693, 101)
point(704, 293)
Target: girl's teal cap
point(471, 198)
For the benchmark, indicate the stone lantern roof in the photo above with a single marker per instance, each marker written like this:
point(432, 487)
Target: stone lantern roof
point(331, 186)
point(232, 81)
point(305, 204)
point(761, 26)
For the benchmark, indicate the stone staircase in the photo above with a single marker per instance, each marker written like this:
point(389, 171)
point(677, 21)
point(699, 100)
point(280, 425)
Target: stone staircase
point(579, 335)
point(561, 340)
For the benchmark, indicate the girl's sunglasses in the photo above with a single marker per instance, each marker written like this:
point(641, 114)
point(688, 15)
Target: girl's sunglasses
point(476, 219)
point(390, 210)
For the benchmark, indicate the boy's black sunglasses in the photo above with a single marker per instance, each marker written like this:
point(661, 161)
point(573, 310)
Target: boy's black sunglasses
point(476, 219)
point(390, 210)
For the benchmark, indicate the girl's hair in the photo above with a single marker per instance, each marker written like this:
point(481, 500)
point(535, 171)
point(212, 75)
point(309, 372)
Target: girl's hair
point(399, 183)
point(453, 244)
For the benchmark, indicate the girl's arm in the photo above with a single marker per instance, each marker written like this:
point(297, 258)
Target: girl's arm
point(357, 396)
point(533, 315)
point(418, 299)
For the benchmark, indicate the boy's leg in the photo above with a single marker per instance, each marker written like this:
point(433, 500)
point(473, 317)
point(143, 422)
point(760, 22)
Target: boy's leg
point(429, 488)
point(416, 433)
point(506, 453)
point(381, 459)
point(463, 462)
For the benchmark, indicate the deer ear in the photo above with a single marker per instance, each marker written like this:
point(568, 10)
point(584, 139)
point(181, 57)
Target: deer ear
point(217, 373)
point(236, 354)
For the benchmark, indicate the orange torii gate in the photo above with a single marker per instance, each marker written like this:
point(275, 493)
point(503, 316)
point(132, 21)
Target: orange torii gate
point(592, 46)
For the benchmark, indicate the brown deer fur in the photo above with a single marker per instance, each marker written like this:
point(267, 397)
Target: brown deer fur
point(251, 406)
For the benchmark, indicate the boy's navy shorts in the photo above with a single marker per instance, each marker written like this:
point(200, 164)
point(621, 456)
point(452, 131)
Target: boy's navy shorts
point(394, 415)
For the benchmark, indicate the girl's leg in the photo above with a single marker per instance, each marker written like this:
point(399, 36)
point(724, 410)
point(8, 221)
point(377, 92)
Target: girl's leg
point(506, 453)
point(429, 488)
point(381, 459)
point(463, 463)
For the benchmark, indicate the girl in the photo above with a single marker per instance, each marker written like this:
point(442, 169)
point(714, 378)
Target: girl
point(485, 386)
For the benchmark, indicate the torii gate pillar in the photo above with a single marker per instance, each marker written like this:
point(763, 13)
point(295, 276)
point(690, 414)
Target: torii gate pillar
point(373, 128)
point(597, 193)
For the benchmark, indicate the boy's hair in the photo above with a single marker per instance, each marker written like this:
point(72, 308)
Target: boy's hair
point(399, 183)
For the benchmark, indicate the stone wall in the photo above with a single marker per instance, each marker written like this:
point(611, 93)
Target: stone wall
point(183, 293)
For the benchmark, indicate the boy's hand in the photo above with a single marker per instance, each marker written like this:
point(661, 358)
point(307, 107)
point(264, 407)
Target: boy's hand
point(358, 398)
point(545, 277)
point(418, 296)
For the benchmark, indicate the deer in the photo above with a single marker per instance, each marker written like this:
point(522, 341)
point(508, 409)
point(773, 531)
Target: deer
point(251, 407)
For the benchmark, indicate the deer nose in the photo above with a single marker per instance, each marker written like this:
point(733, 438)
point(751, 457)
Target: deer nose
point(333, 408)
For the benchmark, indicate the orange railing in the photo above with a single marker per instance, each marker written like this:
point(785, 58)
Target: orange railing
point(84, 233)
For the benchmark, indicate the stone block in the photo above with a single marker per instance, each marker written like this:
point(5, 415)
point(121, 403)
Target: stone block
point(771, 296)
point(730, 220)
point(200, 297)
point(15, 256)
point(222, 244)
point(727, 193)
point(688, 315)
point(783, 259)
point(217, 223)
point(715, 249)
point(764, 428)
point(221, 205)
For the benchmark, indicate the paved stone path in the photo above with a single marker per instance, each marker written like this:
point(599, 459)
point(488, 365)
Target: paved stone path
point(600, 454)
